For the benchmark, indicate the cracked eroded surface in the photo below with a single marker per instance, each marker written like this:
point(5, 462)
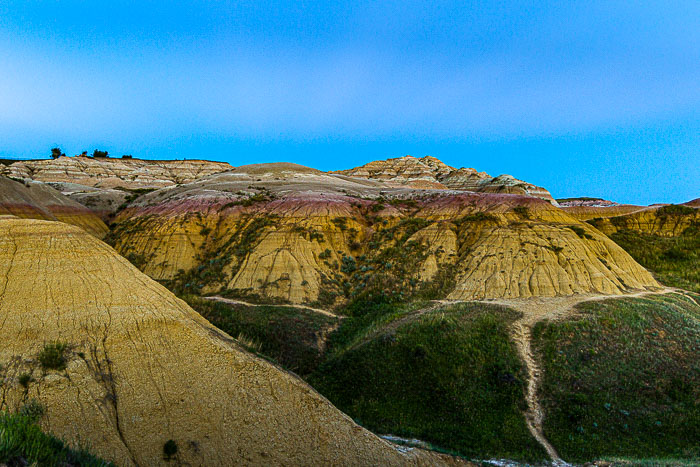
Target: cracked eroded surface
point(143, 368)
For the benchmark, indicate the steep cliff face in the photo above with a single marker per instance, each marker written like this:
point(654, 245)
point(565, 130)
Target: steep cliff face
point(309, 237)
point(39, 201)
point(124, 367)
point(111, 173)
point(429, 172)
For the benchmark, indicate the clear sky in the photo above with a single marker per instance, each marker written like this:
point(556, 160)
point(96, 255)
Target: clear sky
point(596, 98)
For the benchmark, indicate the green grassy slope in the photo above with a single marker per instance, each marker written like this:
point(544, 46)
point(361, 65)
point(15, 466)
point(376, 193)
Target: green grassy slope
point(623, 379)
point(450, 377)
point(23, 443)
point(675, 261)
point(289, 336)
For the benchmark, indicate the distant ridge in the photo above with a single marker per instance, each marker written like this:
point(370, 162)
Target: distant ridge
point(430, 172)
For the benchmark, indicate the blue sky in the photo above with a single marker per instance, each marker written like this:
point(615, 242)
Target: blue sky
point(596, 98)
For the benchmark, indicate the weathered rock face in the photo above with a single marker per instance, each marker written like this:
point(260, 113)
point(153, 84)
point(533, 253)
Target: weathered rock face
point(35, 200)
point(304, 237)
point(666, 221)
point(429, 172)
point(111, 173)
point(585, 201)
point(142, 368)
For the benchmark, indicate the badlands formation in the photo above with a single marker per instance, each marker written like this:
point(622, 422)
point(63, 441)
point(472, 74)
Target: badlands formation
point(294, 234)
point(142, 369)
point(104, 172)
point(429, 172)
point(39, 201)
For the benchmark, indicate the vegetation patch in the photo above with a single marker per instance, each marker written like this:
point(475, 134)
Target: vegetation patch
point(450, 377)
point(293, 337)
point(675, 210)
point(522, 211)
point(214, 257)
point(23, 443)
point(675, 261)
point(580, 231)
point(623, 379)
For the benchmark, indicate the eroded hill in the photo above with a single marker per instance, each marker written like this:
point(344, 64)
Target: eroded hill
point(429, 172)
point(307, 237)
point(121, 365)
point(39, 201)
point(104, 172)
point(663, 238)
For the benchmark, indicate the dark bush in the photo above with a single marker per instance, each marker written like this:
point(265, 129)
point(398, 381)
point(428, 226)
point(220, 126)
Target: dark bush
point(169, 449)
point(52, 356)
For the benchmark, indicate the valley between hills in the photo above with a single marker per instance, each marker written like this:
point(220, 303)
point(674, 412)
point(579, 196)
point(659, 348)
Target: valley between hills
point(404, 312)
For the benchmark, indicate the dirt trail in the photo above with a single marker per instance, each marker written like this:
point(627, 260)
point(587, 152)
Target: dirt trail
point(231, 301)
point(535, 310)
point(534, 416)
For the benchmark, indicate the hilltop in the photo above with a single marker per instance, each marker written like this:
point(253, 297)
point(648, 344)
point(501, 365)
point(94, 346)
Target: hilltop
point(106, 172)
point(429, 172)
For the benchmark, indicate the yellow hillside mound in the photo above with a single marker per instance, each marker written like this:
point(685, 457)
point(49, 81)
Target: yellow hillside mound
point(142, 368)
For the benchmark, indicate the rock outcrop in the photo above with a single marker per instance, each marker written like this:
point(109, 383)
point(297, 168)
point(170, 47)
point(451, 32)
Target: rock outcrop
point(302, 236)
point(111, 173)
point(429, 172)
point(133, 369)
point(585, 201)
point(36, 200)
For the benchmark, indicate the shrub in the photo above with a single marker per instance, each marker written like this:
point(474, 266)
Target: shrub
point(169, 449)
point(52, 356)
point(98, 153)
point(675, 261)
point(349, 265)
point(522, 211)
point(32, 410)
point(56, 153)
point(580, 231)
point(24, 380)
point(341, 223)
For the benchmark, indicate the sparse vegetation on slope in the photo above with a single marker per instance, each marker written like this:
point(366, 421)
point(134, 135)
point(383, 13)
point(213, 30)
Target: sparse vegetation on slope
point(623, 379)
point(674, 260)
point(23, 443)
point(291, 336)
point(450, 377)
